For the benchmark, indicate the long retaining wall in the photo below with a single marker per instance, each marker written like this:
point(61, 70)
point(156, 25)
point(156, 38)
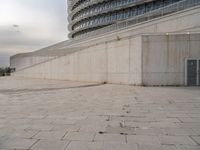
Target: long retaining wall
point(142, 60)
point(110, 62)
point(128, 56)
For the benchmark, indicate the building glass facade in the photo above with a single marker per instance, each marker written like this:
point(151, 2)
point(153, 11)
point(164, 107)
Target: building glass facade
point(88, 15)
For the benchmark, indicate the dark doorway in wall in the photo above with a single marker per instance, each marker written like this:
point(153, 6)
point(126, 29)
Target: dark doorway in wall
point(193, 72)
point(199, 72)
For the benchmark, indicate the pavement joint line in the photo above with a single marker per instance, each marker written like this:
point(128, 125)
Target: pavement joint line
point(126, 139)
point(32, 137)
point(62, 138)
point(191, 137)
point(34, 143)
point(66, 147)
point(94, 137)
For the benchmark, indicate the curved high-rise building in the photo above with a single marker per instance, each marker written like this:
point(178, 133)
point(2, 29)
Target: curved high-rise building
point(86, 16)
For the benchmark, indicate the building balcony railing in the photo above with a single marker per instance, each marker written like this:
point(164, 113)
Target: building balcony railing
point(107, 10)
point(84, 5)
point(184, 4)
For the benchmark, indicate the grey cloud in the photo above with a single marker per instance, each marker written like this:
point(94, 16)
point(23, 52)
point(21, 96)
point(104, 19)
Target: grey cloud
point(39, 23)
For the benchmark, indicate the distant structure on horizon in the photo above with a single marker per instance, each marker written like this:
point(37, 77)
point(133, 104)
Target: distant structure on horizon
point(135, 42)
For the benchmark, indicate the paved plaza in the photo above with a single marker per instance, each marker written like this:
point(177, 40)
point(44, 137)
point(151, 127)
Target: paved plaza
point(62, 115)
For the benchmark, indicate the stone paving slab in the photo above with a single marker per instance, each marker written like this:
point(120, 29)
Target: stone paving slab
point(110, 138)
point(50, 145)
point(179, 140)
point(80, 136)
point(50, 135)
point(38, 114)
point(143, 139)
point(157, 147)
point(18, 143)
point(119, 146)
point(84, 145)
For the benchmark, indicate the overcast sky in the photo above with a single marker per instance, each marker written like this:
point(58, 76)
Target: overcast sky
point(27, 25)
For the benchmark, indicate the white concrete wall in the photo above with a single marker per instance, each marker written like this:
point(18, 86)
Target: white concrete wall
point(113, 62)
point(142, 60)
point(119, 57)
point(124, 61)
point(20, 62)
point(164, 58)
